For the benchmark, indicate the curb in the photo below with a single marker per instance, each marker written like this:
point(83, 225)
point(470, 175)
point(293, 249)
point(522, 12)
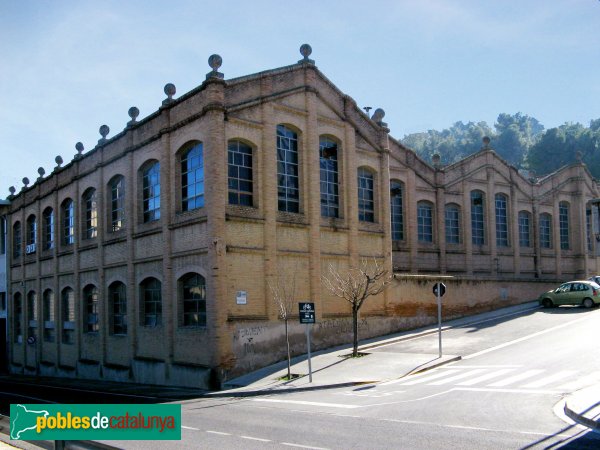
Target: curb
point(581, 419)
point(433, 366)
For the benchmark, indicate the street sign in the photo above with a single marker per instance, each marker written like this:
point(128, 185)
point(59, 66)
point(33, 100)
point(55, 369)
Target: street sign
point(439, 289)
point(307, 312)
point(31, 340)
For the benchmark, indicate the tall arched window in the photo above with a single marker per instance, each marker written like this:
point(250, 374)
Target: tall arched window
point(328, 163)
point(31, 235)
point(17, 315)
point(90, 210)
point(501, 221)
point(116, 189)
point(32, 314)
point(192, 300)
point(452, 222)
point(239, 171)
point(397, 210)
point(151, 296)
point(151, 192)
point(192, 178)
point(477, 218)
point(117, 295)
point(68, 222)
point(48, 315)
point(545, 230)
point(68, 316)
point(524, 229)
point(288, 181)
point(90, 299)
point(425, 221)
point(563, 220)
point(366, 196)
point(48, 228)
point(17, 240)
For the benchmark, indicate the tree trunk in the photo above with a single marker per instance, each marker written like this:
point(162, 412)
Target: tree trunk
point(355, 331)
point(289, 356)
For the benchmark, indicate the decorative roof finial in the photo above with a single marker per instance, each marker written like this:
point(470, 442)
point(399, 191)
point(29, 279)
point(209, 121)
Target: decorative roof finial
point(104, 130)
point(12, 191)
point(133, 113)
point(486, 143)
point(79, 148)
point(306, 51)
point(378, 116)
point(25, 183)
point(436, 159)
point(170, 91)
point(58, 160)
point(41, 172)
point(215, 61)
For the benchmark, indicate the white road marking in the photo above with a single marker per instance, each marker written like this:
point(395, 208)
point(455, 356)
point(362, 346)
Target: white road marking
point(509, 391)
point(424, 379)
point(456, 377)
point(255, 438)
point(515, 378)
point(289, 444)
point(550, 379)
point(584, 381)
point(219, 432)
point(524, 338)
point(483, 366)
point(301, 402)
point(487, 376)
point(190, 428)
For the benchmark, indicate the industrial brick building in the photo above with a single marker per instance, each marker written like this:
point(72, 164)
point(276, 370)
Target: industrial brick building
point(148, 258)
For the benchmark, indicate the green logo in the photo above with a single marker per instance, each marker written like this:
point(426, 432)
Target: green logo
point(95, 422)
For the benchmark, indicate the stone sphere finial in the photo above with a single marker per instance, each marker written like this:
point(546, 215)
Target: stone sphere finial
point(58, 160)
point(79, 147)
point(486, 142)
point(104, 130)
point(133, 114)
point(215, 61)
point(41, 172)
point(12, 190)
point(170, 91)
point(25, 181)
point(306, 51)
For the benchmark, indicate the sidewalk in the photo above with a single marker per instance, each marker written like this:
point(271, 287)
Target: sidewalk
point(583, 407)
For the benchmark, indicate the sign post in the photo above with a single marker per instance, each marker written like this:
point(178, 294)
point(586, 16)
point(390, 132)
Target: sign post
point(439, 289)
point(307, 316)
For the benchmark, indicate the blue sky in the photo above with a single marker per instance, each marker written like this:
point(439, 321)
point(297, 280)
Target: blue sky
point(67, 67)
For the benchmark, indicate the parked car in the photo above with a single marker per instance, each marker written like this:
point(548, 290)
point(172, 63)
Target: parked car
point(595, 279)
point(584, 292)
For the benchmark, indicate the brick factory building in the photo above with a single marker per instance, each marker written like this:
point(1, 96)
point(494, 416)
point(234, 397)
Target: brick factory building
point(148, 258)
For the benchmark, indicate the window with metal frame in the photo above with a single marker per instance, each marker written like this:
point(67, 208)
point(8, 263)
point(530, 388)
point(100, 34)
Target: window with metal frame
point(563, 221)
point(117, 294)
point(328, 167)
point(424, 221)
point(193, 300)
point(397, 210)
point(68, 222)
point(366, 196)
point(90, 298)
point(117, 203)
point(477, 218)
point(452, 219)
point(17, 315)
point(31, 235)
point(16, 240)
point(90, 204)
point(32, 315)
point(501, 220)
point(192, 178)
point(524, 229)
point(151, 295)
point(545, 230)
point(68, 316)
point(288, 170)
point(151, 192)
point(239, 172)
point(48, 229)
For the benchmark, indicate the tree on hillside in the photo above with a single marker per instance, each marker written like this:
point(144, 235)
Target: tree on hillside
point(355, 285)
point(515, 134)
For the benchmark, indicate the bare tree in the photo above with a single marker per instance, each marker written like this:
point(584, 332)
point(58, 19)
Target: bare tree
point(283, 293)
point(356, 285)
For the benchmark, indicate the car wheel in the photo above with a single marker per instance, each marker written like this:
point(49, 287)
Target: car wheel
point(588, 303)
point(547, 303)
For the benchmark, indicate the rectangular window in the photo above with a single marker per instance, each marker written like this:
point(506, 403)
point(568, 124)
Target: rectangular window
point(288, 180)
point(48, 229)
point(396, 211)
point(563, 219)
point(545, 231)
point(328, 164)
point(477, 219)
point(68, 316)
point(239, 168)
point(366, 196)
point(425, 222)
point(452, 225)
point(501, 221)
point(524, 233)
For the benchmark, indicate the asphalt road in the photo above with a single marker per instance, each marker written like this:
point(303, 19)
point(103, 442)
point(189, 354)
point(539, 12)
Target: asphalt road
point(504, 394)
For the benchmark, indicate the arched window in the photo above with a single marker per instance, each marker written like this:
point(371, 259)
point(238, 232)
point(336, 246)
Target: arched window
point(17, 240)
point(524, 229)
point(68, 222)
point(151, 296)
point(366, 196)
point(501, 221)
point(17, 315)
point(192, 300)
point(32, 314)
point(397, 210)
point(563, 220)
point(31, 235)
point(425, 221)
point(452, 222)
point(192, 178)
point(477, 218)
point(117, 295)
point(116, 189)
point(239, 170)
point(90, 210)
point(288, 181)
point(151, 192)
point(48, 229)
point(48, 315)
point(545, 230)
point(90, 299)
point(68, 316)
point(328, 163)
